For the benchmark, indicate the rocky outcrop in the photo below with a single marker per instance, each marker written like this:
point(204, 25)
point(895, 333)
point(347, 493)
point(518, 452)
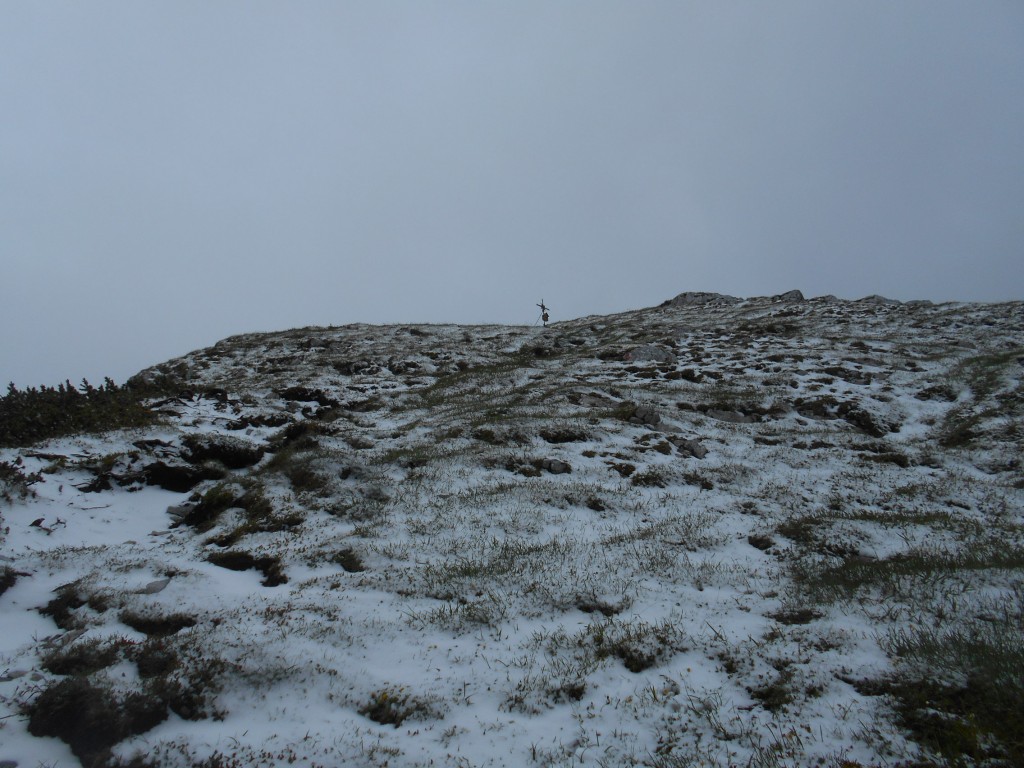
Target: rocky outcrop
point(793, 296)
point(693, 298)
point(876, 300)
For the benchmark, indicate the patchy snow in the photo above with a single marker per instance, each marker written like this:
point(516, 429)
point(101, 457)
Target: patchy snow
point(643, 608)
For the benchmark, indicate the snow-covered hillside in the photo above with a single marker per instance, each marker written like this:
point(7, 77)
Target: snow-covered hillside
point(764, 532)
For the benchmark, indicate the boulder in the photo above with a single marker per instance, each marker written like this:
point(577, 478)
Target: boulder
point(180, 512)
point(645, 414)
point(789, 296)
point(556, 466)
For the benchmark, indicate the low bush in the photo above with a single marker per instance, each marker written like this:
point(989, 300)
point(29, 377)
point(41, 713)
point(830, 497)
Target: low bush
point(393, 706)
point(91, 718)
point(61, 608)
point(14, 483)
point(155, 625)
point(8, 577)
point(84, 657)
point(235, 560)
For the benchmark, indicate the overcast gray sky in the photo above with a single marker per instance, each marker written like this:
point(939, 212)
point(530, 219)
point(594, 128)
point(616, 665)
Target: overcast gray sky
point(175, 172)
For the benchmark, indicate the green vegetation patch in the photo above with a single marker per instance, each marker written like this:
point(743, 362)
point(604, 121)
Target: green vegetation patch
point(203, 515)
point(8, 578)
point(394, 705)
point(14, 483)
point(638, 644)
point(960, 691)
point(85, 656)
point(993, 397)
point(898, 574)
point(32, 415)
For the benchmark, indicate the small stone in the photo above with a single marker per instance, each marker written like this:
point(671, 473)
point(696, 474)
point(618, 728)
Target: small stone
point(155, 586)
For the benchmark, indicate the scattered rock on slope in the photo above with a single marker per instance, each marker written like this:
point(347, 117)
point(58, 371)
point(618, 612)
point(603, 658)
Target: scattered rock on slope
point(693, 298)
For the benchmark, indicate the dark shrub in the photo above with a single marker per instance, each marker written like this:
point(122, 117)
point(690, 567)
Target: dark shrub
point(31, 415)
point(91, 719)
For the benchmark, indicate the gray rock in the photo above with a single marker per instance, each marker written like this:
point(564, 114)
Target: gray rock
point(180, 512)
point(556, 466)
point(733, 417)
point(790, 296)
point(8, 764)
point(155, 586)
point(689, 448)
point(645, 414)
point(12, 674)
point(651, 353)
